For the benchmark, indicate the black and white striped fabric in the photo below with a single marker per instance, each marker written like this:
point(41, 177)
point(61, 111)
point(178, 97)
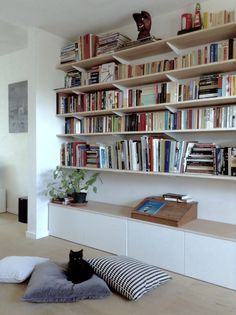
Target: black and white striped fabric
point(127, 276)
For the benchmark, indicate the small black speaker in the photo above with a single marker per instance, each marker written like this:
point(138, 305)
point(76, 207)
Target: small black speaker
point(23, 209)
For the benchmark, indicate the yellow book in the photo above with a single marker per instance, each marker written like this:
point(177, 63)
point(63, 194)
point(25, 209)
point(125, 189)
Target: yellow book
point(205, 20)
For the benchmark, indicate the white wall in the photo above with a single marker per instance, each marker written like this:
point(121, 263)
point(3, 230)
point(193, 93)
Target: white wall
point(26, 158)
point(14, 149)
point(43, 125)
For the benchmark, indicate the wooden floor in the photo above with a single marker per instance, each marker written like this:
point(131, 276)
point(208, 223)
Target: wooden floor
point(180, 296)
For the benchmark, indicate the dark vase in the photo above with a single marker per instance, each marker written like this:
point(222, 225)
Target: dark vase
point(79, 197)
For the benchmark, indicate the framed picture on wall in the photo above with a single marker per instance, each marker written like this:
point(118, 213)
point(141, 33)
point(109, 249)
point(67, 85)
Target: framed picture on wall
point(18, 107)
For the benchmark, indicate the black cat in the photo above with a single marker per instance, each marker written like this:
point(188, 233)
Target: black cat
point(78, 269)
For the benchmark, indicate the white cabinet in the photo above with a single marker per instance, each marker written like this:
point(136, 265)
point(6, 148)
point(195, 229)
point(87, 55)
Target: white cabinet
point(101, 231)
point(64, 224)
point(154, 244)
point(184, 250)
point(210, 259)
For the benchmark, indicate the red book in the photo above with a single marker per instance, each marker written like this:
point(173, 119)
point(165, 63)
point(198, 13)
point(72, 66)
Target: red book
point(190, 119)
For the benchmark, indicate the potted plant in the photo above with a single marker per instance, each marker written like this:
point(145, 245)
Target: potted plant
point(72, 184)
point(57, 188)
point(78, 183)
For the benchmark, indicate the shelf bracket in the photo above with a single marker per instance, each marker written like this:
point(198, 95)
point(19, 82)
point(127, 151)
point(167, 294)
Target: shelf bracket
point(120, 87)
point(174, 48)
point(121, 114)
point(121, 60)
point(171, 109)
point(79, 68)
point(77, 92)
point(172, 78)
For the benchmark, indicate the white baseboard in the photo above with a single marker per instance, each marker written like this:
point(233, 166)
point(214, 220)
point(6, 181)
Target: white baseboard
point(33, 235)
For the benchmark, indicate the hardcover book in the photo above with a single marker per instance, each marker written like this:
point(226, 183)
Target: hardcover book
point(107, 72)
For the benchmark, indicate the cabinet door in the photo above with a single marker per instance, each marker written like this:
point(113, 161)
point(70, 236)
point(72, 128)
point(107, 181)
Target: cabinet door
point(157, 245)
point(100, 231)
point(103, 232)
point(210, 259)
point(64, 222)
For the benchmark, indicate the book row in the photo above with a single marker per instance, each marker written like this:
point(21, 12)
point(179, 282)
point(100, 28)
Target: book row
point(91, 45)
point(214, 52)
point(211, 19)
point(206, 86)
point(189, 118)
point(152, 154)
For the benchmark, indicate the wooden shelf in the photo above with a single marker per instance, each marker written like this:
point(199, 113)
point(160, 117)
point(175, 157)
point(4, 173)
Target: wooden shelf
point(74, 135)
point(212, 228)
point(204, 36)
point(188, 175)
point(147, 50)
point(214, 67)
point(86, 63)
point(213, 130)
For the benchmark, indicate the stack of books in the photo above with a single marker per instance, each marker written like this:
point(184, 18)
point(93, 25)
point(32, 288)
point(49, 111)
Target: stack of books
point(208, 86)
point(69, 53)
point(92, 156)
point(200, 158)
point(108, 43)
point(93, 75)
point(72, 78)
point(177, 197)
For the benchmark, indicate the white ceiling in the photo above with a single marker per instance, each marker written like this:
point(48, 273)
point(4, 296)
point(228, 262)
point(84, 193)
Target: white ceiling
point(70, 18)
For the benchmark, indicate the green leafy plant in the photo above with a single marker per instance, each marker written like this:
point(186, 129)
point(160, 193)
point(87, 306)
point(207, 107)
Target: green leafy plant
point(67, 182)
point(79, 181)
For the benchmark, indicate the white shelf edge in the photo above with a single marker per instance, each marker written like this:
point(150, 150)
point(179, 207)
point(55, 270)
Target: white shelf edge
point(214, 130)
point(189, 175)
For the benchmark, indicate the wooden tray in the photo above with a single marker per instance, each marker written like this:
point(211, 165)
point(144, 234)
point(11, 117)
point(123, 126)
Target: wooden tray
point(171, 213)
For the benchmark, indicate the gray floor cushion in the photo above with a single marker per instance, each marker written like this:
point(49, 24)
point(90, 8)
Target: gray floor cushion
point(48, 284)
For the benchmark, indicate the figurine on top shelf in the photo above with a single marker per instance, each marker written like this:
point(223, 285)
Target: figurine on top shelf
point(189, 25)
point(197, 22)
point(144, 22)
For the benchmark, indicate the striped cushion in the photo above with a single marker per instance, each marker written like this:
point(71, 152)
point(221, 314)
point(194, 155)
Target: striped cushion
point(127, 276)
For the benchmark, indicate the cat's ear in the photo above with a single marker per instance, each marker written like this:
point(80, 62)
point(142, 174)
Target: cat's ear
point(71, 251)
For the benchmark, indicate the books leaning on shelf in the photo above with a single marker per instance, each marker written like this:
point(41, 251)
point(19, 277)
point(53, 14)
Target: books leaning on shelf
point(107, 72)
point(211, 19)
point(152, 154)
